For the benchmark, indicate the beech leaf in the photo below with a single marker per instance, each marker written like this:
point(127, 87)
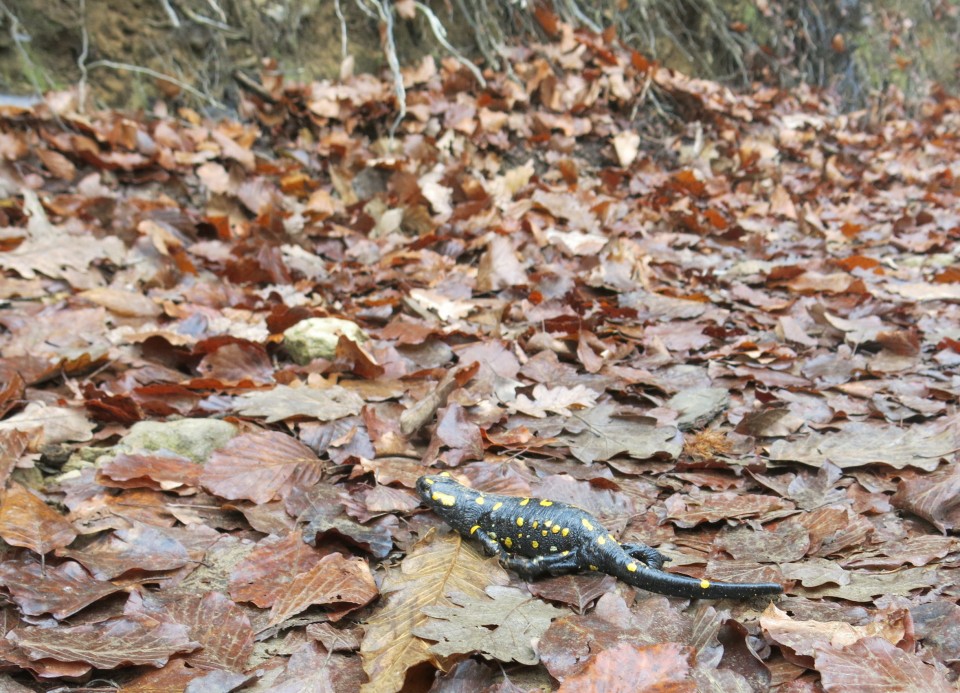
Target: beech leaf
point(502, 626)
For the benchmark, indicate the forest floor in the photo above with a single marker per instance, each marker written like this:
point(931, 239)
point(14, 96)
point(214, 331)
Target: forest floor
point(728, 325)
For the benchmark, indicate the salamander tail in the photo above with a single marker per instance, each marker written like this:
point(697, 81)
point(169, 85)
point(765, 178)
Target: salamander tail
point(637, 574)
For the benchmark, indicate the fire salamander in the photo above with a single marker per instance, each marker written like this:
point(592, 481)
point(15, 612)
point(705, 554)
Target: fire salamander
point(535, 537)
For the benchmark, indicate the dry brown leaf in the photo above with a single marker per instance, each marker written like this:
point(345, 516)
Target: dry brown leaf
point(136, 638)
point(334, 581)
point(427, 576)
point(27, 521)
point(258, 466)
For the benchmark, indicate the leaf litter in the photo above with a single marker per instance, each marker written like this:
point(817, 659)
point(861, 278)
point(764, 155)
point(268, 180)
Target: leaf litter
point(727, 324)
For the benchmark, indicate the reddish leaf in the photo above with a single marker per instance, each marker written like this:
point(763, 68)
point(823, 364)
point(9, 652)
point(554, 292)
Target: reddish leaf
point(312, 668)
point(58, 590)
point(13, 444)
point(335, 581)
point(131, 639)
point(141, 547)
point(627, 667)
point(257, 466)
point(174, 676)
point(220, 626)
point(875, 664)
point(934, 497)
point(579, 591)
point(236, 363)
point(153, 471)
point(27, 521)
point(264, 575)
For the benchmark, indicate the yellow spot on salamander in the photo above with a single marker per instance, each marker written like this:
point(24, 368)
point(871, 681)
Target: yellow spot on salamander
point(429, 482)
point(704, 584)
point(444, 498)
point(548, 523)
point(601, 540)
point(546, 503)
point(492, 535)
point(556, 529)
point(519, 522)
point(553, 548)
point(612, 538)
point(632, 567)
point(524, 501)
point(565, 531)
point(497, 505)
point(444, 473)
point(481, 500)
point(474, 528)
point(508, 542)
point(586, 523)
point(564, 553)
point(544, 532)
point(519, 535)
point(593, 567)
point(535, 544)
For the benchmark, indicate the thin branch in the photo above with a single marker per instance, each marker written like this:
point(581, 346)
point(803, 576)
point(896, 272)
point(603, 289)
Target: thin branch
point(82, 58)
point(16, 34)
point(390, 49)
point(366, 10)
point(343, 30)
point(219, 10)
point(171, 13)
point(441, 35)
point(216, 24)
point(158, 75)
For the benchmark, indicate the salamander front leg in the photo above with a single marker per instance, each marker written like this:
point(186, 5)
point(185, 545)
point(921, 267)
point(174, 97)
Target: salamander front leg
point(534, 568)
point(649, 555)
point(490, 546)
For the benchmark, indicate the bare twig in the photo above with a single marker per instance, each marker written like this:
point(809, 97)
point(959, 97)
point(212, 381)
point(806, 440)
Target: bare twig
point(343, 30)
point(216, 24)
point(248, 83)
point(441, 35)
point(171, 13)
point(390, 49)
point(82, 58)
point(17, 33)
point(158, 75)
point(366, 10)
point(219, 10)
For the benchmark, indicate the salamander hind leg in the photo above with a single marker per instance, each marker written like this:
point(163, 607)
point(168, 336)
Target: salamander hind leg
point(649, 555)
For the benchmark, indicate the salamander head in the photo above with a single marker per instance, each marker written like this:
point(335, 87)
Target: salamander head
point(446, 497)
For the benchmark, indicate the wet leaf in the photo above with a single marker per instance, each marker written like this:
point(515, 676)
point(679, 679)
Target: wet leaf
point(875, 663)
point(27, 521)
point(807, 637)
point(628, 667)
point(58, 590)
point(140, 547)
point(220, 627)
point(935, 498)
point(333, 581)
point(125, 640)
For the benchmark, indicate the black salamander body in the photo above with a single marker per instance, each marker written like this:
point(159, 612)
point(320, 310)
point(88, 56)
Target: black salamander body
point(535, 537)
